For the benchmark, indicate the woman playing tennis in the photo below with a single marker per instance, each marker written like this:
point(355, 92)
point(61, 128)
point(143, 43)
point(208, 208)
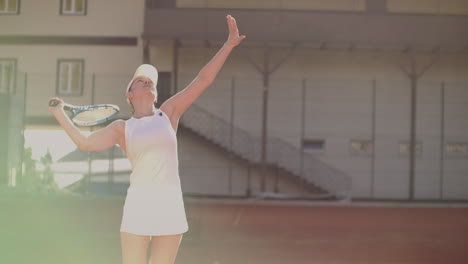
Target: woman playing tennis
point(154, 209)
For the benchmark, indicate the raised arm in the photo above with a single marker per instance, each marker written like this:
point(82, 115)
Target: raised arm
point(178, 104)
point(99, 140)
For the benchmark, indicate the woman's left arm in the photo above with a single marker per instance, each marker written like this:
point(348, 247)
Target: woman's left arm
point(178, 104)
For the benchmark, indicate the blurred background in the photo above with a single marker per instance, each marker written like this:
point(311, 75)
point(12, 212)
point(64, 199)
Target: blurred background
point(332, 101)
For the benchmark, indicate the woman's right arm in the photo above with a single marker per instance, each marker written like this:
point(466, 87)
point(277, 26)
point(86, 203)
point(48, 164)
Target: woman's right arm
point(99, 140)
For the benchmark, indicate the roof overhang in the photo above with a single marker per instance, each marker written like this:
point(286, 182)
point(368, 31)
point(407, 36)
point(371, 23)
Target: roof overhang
point(353, 30)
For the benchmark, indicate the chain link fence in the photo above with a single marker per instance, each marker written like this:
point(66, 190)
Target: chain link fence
point(322, 132)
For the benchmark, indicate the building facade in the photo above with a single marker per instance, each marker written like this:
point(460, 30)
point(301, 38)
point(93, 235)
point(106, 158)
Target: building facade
point(347, 87)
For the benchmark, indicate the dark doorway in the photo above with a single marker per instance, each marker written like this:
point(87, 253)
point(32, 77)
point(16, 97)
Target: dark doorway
point(164, 87)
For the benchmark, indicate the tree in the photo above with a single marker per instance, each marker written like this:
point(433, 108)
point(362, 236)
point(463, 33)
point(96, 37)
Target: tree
point(30, 175)
point(35, 179)
point(47, 173)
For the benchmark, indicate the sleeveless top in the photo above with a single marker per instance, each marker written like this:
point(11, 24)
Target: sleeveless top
point(152, 150)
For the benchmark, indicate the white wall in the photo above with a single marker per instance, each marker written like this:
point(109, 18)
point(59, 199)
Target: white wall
point(339, 109)
point(113, 67)
point(103, 18)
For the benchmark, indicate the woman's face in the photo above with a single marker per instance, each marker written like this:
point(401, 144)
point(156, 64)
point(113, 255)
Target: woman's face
point(142, 88)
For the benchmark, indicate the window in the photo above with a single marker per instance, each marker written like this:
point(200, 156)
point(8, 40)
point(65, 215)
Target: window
point(9, 6)
point(70, 77)
point(361, 147)
point(404, 148)
point(313, 145)
point(456, 149)
point(7, 76)
point(73, 7)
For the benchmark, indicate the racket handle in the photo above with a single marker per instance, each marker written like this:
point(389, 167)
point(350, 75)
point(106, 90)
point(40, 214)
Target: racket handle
point(53, 102)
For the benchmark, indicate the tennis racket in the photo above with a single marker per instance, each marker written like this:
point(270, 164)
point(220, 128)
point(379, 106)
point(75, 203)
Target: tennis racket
point(89, 115)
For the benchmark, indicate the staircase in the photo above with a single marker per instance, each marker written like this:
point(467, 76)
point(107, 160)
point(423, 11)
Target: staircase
point(316, 178)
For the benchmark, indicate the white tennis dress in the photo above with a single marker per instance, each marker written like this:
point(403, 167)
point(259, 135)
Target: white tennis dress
point(154, 204)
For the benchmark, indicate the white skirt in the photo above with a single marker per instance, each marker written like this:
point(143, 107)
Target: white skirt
point(154, 211)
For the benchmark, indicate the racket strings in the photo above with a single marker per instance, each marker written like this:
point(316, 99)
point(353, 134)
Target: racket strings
point(94, 114)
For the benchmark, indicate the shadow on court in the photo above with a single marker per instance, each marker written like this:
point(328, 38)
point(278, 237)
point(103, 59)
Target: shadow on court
point(70, 230)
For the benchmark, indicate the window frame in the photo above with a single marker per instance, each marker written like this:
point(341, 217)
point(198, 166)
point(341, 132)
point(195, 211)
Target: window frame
point(58, 91)
point(360, 152)
point(458, 154)
point(74, 12)
point(5, 12)
point(406, 153)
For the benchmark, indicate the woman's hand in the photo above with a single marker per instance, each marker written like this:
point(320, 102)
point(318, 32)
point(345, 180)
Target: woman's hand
point(234, 39)
point(58, 107)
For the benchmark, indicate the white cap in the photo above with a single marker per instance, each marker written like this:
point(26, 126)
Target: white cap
point(146, 70)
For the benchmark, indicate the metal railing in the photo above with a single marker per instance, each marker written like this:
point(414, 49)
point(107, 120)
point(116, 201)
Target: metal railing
point(279, 152)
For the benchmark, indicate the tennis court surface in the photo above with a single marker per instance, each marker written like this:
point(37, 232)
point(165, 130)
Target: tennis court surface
point(321, 233)
point(86, 230)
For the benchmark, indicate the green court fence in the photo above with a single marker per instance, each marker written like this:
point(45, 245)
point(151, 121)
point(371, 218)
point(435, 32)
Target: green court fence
point(12, 109)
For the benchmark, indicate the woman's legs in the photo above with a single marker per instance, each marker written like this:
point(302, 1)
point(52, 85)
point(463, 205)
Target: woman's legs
point(164, 248)
point(134, 248)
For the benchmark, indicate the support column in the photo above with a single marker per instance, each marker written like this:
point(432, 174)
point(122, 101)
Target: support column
point(266, 70)
point(146, 52)
point(175, 67)
point(414, 75)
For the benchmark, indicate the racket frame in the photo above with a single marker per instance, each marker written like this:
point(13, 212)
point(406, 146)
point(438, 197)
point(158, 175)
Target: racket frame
point(75, 110)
